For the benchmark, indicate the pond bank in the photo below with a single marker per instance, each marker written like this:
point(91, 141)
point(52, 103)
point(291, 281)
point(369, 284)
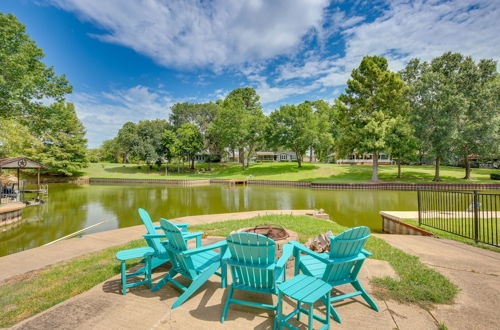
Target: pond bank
point(46, 255)
point(310, 184)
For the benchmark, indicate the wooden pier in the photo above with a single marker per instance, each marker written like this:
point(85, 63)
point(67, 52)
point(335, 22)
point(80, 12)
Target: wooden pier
point(235, 182)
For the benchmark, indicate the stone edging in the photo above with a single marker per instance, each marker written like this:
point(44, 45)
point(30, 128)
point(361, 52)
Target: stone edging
point(309, 184)
point(394, 225)
point(153, 181)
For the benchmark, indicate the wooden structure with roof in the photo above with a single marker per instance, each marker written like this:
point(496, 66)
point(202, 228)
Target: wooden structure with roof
point(23, 163)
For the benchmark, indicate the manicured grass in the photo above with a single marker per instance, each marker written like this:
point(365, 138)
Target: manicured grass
point(447, 235)
point(326, 173)
point(416, 283)
point(32, 293)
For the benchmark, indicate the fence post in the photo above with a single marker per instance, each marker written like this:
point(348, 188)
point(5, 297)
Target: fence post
point(419, 208)
point(475, 205)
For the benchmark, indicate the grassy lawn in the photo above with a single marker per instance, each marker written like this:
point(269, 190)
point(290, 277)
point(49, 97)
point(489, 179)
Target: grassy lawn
point(31, 293)
point(325, 173)
point(446, 235)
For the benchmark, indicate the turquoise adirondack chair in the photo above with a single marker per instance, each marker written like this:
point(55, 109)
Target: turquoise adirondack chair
point(197, 264)
point(340, 266)
point(251, 258)
point(153, 239)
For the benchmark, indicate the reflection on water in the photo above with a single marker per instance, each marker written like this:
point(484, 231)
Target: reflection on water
point(72, 207)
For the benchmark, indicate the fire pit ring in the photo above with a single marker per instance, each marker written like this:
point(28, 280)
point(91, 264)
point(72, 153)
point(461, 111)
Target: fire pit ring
point(278, 234)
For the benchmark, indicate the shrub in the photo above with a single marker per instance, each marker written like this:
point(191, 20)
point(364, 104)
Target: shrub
point(495, 176)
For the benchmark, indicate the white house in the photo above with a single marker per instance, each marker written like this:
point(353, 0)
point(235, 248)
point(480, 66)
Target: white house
point(367, 159)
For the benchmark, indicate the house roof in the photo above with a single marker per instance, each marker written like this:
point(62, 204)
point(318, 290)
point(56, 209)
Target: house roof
point(21, 163)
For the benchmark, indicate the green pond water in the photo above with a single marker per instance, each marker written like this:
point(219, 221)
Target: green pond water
point(72, 207)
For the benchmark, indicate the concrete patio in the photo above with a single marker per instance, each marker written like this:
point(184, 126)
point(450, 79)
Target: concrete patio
point(475, 271)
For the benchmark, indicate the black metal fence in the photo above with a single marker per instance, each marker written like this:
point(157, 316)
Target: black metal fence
point(470, 214)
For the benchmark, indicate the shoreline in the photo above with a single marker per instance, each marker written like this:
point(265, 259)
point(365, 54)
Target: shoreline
point(308, 184)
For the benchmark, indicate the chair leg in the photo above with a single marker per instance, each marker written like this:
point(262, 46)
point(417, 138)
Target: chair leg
point(278, 318)
point(328, 295)
point(365, 295)
point(333, 311)
point(226, 305)
point(223, 280)
point(148, 271)
point(311, 316)
point(298, 308)
point(196, 284)
point(164, 280)
point(124, 278)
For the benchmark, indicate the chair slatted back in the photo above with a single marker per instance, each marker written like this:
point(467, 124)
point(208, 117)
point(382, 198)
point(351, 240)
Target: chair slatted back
point(343, 248)
point(155, 243)
point(251, 254)
point(176, 244)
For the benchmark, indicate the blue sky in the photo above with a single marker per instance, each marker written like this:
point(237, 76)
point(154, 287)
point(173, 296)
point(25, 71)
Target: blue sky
point(130, 60)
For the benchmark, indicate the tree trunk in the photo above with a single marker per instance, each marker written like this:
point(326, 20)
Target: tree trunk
point(467, 166)
point(192, 162)
point(209, 163)
point(311, 155)
point(166, 168)
point(436, 173)
point(250, 150)
point(234, 155)
point(399, 168)
point(241, 154)
point(375, 167)
point(299, 160)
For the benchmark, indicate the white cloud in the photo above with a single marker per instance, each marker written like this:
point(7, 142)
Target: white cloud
point(423, 29)
point(427, 29)
point(270, 94)
point(105, 113)
point(189, 34)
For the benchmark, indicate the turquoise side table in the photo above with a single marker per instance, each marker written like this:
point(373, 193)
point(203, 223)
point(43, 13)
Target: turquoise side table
point(305, 290)
point(145, 253)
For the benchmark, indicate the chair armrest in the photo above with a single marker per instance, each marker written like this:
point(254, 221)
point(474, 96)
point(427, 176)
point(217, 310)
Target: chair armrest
point(360, 256)
point(366, 253)
point(218, 245)
point(192, 235)
point(182, 226)
point(285, 256)
point(154, 236)
point(307, 251)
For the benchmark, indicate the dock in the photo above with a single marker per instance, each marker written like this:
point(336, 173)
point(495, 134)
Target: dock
point(11, 212)
point(234, 181)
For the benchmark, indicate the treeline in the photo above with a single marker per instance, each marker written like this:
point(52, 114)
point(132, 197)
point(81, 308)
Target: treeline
point(443, 110)
point(35, 121)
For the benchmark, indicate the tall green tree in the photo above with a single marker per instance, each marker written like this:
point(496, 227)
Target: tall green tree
point(325, 121)
point(454, 106)
point(401, 142)
point(293, 127)
point(64, 146)
point(24, 79)
point(128, 141)
point(170, 146)
point(373, 97)
point(150, 133)
point(478, 124)
point(242, 122)
point(190, 141)
point(111, 150)
point(16, 139)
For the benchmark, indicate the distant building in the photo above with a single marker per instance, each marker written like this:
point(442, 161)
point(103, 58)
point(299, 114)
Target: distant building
point(275, 156)
point(367, 159)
